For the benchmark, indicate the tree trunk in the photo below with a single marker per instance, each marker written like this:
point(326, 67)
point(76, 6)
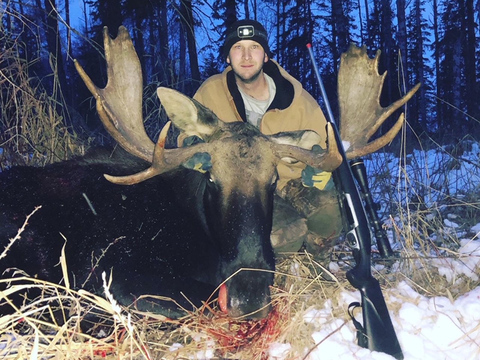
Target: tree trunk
point(54, 46)
point(86, 17)
point(246, 9)
point(367, 22)
point(188, 27)
point(470, 70)
point(436, 56)
point(421, 110)
point(402, 35)
point(360, 21)
point(340, 33)
point(69, 33)
point(163, 61)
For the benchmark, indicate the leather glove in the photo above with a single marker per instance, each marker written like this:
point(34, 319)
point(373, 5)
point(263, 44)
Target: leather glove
point(312, 177)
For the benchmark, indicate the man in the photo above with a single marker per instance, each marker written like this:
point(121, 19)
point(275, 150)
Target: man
point(257, 89)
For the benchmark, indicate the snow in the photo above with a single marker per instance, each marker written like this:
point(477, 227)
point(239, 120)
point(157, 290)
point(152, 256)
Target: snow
point(470, 255)
point(427, 327)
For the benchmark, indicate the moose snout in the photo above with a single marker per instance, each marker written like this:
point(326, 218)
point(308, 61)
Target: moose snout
point(245, 310)
point(247, 295)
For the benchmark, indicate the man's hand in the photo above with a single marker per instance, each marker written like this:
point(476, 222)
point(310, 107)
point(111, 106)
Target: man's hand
point(312, 177)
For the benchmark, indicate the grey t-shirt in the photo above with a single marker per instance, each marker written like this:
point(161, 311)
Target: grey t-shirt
point(254, 108)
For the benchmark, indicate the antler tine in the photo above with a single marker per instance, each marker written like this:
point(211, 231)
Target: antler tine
point(119, 104)
point(164, 160)
point(378, 143)
point(389, 110)
point(361, 115)
point(326, 160)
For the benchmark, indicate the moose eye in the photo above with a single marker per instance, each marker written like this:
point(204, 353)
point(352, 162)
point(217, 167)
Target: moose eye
point(210, 179)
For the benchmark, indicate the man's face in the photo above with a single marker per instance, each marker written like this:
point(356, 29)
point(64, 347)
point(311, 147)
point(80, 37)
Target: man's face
point(247, 58)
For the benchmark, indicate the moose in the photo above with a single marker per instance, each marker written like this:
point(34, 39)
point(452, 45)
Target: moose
point(165, 222)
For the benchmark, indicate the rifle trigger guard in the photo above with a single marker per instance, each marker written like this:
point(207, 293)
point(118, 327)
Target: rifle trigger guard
point(361, 335)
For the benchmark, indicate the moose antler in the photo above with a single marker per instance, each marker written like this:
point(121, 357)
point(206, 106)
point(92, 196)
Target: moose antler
point(359, 90)
point(119, 106)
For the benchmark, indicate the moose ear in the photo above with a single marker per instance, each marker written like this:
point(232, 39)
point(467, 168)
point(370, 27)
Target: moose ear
point(304, 139)
point(188, 115)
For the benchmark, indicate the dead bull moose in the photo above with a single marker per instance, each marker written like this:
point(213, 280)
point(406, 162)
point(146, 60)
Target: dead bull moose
point(186, 222)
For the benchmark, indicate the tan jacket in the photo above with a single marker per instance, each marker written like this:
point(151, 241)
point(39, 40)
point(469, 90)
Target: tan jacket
point(293, 108)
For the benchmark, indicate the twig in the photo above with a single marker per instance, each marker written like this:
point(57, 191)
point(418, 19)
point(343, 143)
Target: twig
point(19, 233)
point(324, 339)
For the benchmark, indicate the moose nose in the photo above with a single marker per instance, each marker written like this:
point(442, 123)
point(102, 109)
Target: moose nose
point(243, 307)
point(243, 312)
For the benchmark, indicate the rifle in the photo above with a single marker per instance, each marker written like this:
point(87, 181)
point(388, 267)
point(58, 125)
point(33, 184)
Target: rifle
point(377, 332)
point(360, 173)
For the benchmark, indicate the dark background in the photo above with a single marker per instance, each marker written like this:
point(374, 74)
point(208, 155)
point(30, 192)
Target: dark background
point(178, 42)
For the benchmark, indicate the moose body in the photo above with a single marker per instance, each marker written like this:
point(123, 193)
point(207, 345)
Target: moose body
point(149, 235)
point(198, 216)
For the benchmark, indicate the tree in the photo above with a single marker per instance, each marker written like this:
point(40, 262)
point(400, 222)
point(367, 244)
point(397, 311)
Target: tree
point(436, 55)
point(470, 42)
point(380, 36)
point(302, 26)
point(226, 13)
point(162, 64)
point(55, 50)
point(107, 13)
point(451, 78)
point(402, 33)
point(417, 68)
point(188, 30)
point(341, 24)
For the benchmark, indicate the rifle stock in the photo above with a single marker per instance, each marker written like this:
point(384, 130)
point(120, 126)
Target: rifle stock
point(377, 332)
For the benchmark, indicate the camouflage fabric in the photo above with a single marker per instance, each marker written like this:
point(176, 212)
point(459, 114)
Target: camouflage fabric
point(305, 216)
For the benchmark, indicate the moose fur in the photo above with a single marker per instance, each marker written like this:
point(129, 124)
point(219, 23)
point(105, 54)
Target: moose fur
point(151, 234)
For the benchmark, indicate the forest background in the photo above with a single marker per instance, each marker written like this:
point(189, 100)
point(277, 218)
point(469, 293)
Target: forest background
point(179, 41)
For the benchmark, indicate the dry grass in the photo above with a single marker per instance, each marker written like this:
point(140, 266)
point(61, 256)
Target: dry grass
point(49, 325)
point(33, 128)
